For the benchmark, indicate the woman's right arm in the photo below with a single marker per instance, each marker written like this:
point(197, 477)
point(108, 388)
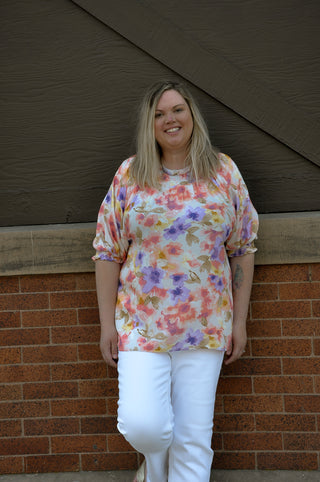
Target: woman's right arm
point(107, 280)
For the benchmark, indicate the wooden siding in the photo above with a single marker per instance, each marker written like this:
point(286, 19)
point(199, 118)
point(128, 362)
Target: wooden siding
point(72, 79)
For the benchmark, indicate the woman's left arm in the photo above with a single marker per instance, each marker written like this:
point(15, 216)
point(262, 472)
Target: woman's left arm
point(242, 274)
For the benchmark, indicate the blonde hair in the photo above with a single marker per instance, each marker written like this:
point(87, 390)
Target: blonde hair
point(202, 156)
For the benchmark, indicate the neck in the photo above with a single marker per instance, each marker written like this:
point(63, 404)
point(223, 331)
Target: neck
point(173, 160)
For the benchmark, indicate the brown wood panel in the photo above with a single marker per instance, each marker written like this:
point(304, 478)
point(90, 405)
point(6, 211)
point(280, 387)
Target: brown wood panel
point(232, 85)
point(69, 90)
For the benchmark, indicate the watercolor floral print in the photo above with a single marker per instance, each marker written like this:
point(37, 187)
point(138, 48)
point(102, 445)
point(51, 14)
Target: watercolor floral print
point(174, 243)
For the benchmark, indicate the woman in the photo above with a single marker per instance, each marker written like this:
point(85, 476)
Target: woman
point(174, 266)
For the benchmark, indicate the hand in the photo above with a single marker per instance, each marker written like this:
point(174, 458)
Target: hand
point(109, 345)
point(239, 341)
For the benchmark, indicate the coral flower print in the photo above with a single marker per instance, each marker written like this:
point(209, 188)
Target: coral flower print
point(173, 245)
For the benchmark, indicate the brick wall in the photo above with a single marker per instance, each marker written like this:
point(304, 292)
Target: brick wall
point(58, 399)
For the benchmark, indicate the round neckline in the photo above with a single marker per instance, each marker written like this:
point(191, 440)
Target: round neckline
point(175, 172)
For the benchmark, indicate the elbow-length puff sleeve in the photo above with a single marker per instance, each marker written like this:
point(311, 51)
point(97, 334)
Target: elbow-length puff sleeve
point(110, 242)
point(246, 222)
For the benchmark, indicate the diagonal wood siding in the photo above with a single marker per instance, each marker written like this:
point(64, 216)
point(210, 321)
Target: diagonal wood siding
point(70, 85)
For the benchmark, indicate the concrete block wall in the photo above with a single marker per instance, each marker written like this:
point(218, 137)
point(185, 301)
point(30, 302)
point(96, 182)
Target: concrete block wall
point(58, 399)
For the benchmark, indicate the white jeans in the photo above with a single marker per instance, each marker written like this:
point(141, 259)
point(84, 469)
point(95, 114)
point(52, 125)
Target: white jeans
point(166, 405)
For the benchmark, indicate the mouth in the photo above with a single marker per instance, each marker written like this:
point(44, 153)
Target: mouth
point(172, 130)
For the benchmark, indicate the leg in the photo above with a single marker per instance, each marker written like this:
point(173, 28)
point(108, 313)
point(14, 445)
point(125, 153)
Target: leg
point(145, 414)
point(195, 376)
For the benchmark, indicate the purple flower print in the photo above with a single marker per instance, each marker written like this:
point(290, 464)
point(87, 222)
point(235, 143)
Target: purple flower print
point(139, 258)
point(218, 282)
point(215, 252)
point(179, 226)
point(246, 228)
point(179, 293)
point(108, 197)
point(179, 346)
point(196, 214)
point(178, 279)
point(194, 337)
point(153, 277)
point(122, 197)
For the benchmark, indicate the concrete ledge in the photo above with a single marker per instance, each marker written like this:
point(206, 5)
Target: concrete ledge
point(127, 476)
point(284, 238)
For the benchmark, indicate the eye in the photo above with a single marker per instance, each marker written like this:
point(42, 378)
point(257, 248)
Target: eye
point(179, 109)
point(157, 115)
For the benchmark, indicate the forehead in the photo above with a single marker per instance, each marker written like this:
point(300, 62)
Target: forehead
point(169, 99)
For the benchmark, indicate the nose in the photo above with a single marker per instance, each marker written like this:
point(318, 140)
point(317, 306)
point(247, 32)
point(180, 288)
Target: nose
point(169, 117)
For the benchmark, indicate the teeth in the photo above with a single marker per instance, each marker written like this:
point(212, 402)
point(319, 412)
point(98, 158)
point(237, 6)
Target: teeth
point(174, 129)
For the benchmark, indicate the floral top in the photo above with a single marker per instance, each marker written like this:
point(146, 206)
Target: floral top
point(173, 243)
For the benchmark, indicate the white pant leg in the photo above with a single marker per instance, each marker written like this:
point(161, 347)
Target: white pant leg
point(144, 412)
point(195, 376)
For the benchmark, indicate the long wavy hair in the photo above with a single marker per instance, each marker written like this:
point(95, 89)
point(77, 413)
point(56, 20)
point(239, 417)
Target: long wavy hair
point(202, 157)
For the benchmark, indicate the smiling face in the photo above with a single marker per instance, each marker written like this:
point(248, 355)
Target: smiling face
point(173, 123)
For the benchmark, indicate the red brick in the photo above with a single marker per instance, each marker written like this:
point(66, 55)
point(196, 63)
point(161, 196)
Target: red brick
point(284, 347)
point(78, 444)
point(10, 356)
point(89, 352)
point(285, 423)
point(98, 388)
point(11, 465)
point(252, 441)
point(301, 366)
point(308, 327)
point(51, 426)
point(91, 425)
point(287, 461)
point(79, 371)
point(117, 443)
point(50, 354)
point(76, 334)
point(49, 318)
point(78, 407)
point(284, 384)
point(23, 373)
point(233, 423)
point(280, 309)
point(10, 319)
point(25, 336)
point(9, 284)
point(281, 273)
point(52, 463)
point(121, 461)
point(253, 366)
point(36, 391)
point(316, 308)
point(302, 403)
point(264, 329)
point(218, 406)
point(24, 446)
point(24, 409)
point(11, 392)
point(50, 282)
point(234, 385)
point(299, 291)
point(268, 291)
point(24, 302)
point(234, 461)
point(10, 428)
point(112, 372)
point(253, 403)
point(112, 406)
point(88, 316)
point(315, 272)
point(85, 281)
point(316, 346)
point(217, 442)
point(317, 384)
point(79, 299)
point(301, 441)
